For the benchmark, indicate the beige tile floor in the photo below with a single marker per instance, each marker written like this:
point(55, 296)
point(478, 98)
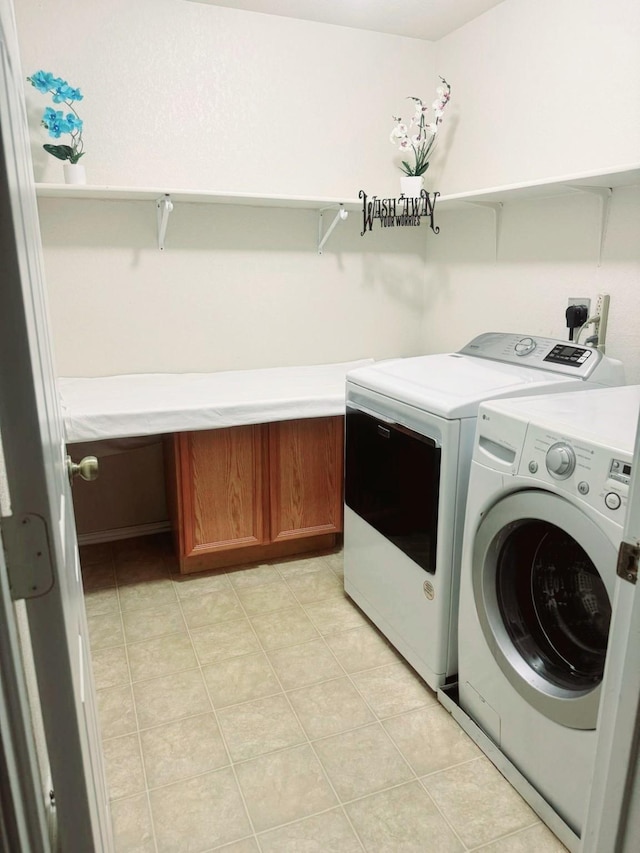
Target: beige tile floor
point(257, 709)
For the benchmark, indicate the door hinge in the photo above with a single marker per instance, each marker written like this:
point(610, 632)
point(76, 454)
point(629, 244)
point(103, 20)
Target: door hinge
point(27, 550)
point(628, 557)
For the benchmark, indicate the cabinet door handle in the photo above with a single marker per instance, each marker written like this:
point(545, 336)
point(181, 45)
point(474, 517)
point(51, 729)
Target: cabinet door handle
point(385, 432)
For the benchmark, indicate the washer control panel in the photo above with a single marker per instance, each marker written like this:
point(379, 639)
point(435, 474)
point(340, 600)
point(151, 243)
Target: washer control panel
point(599, 475)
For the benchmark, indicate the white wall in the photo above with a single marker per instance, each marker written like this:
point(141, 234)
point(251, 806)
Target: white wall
point(179, 94)
point(194, 95)
point(541, 89)
point(548, 252)
point(235, 288)
point(201, 96)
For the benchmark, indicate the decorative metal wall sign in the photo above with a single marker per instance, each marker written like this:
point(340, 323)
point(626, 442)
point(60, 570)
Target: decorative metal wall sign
point(398, 212)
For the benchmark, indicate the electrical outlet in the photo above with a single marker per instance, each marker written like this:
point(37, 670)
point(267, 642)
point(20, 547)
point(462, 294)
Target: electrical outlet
point(601, 316)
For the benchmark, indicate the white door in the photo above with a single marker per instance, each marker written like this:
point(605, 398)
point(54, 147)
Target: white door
point(39, 538)
point(22, 818)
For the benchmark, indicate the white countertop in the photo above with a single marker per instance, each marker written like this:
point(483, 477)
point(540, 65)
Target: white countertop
point(107, 407)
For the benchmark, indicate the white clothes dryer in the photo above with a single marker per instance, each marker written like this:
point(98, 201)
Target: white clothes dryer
point(409, 436)
point(545, 515)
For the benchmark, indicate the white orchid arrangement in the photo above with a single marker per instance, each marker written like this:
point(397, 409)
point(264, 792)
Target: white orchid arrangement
point(423, 139)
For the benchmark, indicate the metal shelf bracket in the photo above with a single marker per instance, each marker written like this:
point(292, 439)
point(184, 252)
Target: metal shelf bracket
point(497, 208)
point(164, 206)
point(605, 194)
point(341, 215)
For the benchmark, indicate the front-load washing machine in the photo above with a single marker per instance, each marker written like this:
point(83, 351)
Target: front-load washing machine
point(409, 436)
point(545, 515)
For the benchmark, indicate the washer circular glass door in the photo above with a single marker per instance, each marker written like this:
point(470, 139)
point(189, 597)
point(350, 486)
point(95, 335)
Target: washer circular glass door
point(543, 580)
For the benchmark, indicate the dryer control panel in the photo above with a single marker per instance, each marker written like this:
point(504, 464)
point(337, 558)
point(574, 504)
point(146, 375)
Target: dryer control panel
point(547, 354)
point(567, 354)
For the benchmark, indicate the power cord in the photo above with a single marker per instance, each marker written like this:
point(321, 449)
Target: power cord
point(576, 316)
point(592, 340)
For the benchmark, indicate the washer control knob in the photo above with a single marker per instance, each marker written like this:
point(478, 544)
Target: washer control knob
point(612, 500)
point(533, 467)
point(524, 346)
point(560, 460)
point(583, 487)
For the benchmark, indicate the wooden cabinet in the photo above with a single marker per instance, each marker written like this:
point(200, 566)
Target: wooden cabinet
point(257, 492)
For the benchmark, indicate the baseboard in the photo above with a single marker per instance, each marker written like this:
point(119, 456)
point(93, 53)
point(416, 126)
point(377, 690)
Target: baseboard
point(123, 532)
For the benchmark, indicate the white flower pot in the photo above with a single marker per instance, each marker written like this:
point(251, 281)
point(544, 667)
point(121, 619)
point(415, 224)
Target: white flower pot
point(411, 185)
point(74, 173)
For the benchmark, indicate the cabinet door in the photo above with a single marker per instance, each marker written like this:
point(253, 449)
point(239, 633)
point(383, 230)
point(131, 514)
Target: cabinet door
point(305, 477)
point(222, 489)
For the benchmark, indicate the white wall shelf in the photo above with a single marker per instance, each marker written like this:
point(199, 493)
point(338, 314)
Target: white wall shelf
point(600, 184)
point(109, 193)
point(618, 177)
point(165, 199)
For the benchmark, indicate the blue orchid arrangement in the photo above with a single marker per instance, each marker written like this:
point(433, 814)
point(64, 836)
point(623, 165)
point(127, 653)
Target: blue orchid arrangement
point(55, 121)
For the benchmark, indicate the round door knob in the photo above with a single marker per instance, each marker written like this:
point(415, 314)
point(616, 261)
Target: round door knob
point(87, 468)
point(560, 460)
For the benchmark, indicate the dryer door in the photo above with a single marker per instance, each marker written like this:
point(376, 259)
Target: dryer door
point(543, 576)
